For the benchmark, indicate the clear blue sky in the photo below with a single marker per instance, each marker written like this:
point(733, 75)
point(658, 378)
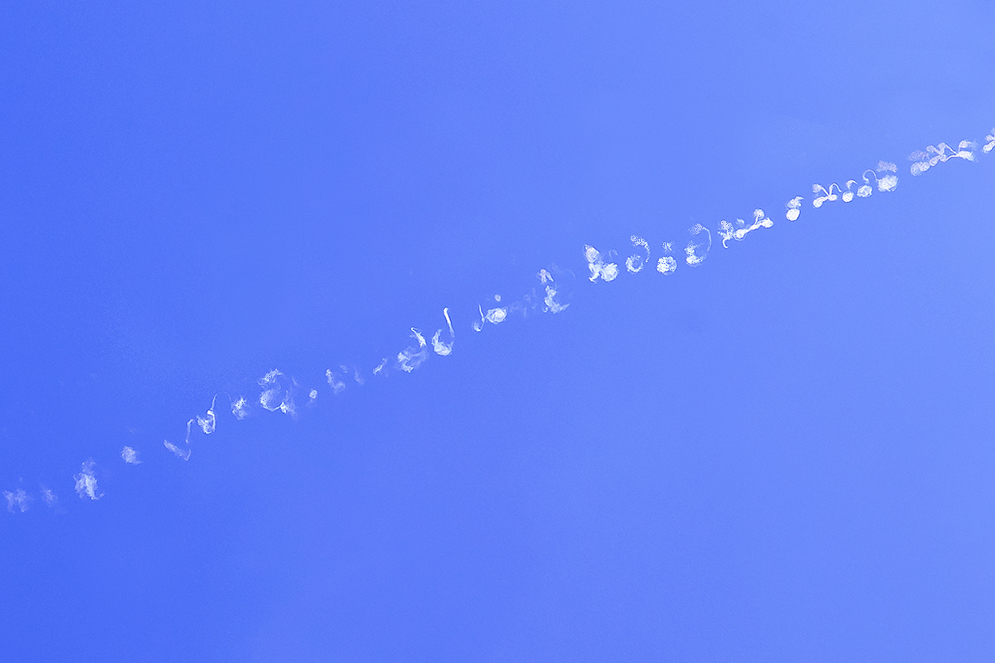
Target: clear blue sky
point(783, 454)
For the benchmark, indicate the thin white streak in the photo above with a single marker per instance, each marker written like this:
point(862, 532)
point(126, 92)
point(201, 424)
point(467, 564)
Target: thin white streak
point(183, 454)
point(442, 348)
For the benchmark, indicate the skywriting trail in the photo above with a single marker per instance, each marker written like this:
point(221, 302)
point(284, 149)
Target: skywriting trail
point(552, 293)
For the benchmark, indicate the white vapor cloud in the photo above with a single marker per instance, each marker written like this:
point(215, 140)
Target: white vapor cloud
point(86, 481)
point(183, 454)
point(17, 500)
point(50, 497)
point(130, 456)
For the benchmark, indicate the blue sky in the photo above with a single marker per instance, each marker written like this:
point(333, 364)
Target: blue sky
point(784, 453)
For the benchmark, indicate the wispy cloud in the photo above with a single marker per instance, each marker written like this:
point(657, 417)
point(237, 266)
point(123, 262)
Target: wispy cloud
point(130, 456)
point(17, 500)
point(179, 453)
point(277, 395)
point(86, 482)
point(50, 497)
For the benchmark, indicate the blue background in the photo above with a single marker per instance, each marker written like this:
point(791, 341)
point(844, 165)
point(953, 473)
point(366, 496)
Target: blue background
point(784, 454)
